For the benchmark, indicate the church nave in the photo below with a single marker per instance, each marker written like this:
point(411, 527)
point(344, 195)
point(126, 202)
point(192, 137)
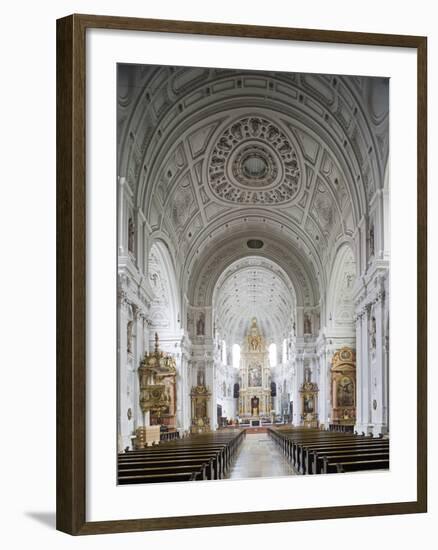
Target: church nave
point(253, 273)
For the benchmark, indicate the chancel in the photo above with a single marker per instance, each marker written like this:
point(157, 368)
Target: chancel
point(253, 273)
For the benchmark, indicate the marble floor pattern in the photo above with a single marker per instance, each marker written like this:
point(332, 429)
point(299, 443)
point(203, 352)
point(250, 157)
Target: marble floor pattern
point(259, 457)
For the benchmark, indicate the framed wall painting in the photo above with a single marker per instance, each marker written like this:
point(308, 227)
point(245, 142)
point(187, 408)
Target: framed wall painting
point(92, 50)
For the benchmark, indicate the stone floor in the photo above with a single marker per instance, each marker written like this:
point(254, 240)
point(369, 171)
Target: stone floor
point(259, 457)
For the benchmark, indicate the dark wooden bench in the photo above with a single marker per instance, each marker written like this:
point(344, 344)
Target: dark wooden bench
point(330, 462)
point(196, 463)
point(316, 457)
point(299, 447)
point(306, 448)
point(209, 455)
point(161, 478)
point(310, 453)
point(217, 455)
point(342, 467)
point(163, 469)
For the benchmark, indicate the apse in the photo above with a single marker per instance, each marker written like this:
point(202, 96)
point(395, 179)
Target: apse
point(254, 287)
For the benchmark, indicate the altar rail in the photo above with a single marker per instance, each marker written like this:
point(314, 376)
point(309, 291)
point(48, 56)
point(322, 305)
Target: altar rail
point(169, 436)
point(341, 428)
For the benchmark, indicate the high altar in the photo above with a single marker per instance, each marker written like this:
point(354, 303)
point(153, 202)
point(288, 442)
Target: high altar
point(255, 376)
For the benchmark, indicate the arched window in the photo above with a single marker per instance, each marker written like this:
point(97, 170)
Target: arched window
point(224, 352)
point(284, 352)
point(236, 356)
point(273, 355)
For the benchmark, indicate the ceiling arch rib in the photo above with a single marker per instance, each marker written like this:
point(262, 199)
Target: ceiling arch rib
point(281, 236)
point(227, 248)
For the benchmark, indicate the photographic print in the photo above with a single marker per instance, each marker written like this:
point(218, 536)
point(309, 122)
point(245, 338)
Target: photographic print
point(253, 274)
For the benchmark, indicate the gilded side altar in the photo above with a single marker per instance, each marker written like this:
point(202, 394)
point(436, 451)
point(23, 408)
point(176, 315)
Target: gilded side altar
point(200, 397)
point(343, 384)
point(157, 377)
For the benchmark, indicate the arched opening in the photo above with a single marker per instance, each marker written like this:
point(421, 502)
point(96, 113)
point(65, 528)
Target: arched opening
point(224, 352)
point(164, 308)
point(340, 293)
point(273, 355)
point(236, 356)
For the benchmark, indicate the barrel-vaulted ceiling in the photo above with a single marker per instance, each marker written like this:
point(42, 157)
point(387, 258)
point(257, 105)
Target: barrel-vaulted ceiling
point(218, 157)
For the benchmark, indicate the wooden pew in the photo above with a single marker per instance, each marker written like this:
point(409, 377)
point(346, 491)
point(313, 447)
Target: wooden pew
point(330, 463)
point(216, 454)
point(310, 453)
point(161, 478)
point(299, 445)
point(168, 468)
point(316, 457)
point(305, 448)
point(196, 463)
point(209, 455)
point(342, 467)
point(227, 449)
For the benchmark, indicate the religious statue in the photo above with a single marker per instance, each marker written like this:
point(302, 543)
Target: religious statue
point(201, 377)
point(307, 374)
point(254, 343)
point(129, 336)
point(154, 278)
point(189, 322)
point(200, 325)
point(373, 332)
point(371, 241)
point(307, 324)
point(131, 235)
point(254, 338)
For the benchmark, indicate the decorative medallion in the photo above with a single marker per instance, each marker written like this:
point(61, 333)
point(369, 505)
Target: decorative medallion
point(253, 162)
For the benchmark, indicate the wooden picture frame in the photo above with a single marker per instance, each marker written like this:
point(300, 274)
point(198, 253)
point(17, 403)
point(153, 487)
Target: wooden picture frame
point(71, 273)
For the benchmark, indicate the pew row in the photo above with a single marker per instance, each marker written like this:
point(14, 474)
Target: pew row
point(313, 451)
point(200, 457)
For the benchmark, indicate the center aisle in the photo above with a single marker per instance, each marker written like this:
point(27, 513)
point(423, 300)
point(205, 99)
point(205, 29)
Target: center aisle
point(259, 457)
